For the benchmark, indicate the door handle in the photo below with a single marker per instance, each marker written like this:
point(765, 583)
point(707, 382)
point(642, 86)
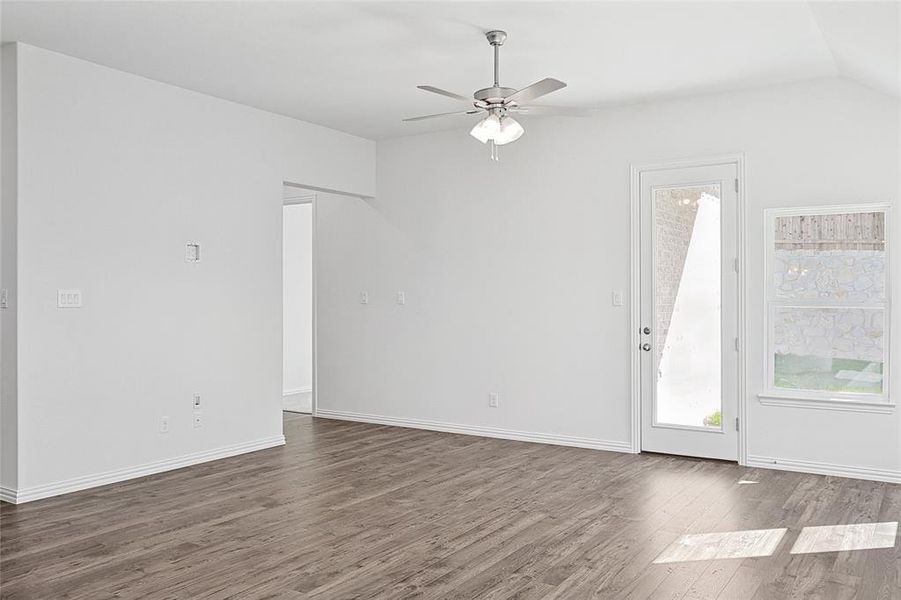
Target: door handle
point(646, 347)
point(646, 330)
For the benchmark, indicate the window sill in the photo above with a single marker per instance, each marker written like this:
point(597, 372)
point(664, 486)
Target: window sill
point(864, 406)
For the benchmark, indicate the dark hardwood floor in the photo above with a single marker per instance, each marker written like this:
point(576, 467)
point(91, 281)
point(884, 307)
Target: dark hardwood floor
point(350, 510)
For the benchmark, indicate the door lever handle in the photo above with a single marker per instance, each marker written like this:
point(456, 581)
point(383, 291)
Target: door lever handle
point(646, 347)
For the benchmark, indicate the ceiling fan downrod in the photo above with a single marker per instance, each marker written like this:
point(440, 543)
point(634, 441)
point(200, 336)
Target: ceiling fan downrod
point(496, 38)
point(493, 97)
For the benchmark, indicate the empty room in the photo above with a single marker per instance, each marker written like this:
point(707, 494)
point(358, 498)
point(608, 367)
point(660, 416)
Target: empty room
point(450, 300)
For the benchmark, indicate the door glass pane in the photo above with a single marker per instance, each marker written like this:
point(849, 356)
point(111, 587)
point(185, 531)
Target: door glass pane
point(687, 297)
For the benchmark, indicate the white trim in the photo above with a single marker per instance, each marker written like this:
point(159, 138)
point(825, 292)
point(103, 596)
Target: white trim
point(839, 404)
point(810, 398)
point(325, 190)
point(303, 390)
point(91, 481)
point(697, 428)
point(828, 209)
point(478, 430)
point(7, 495)
point(298, 200)
point(737, 159)
point(313, 199)
point(822, 468)
point(635, 310)
point(703, 161)
point(314, 401)
point(743, 328)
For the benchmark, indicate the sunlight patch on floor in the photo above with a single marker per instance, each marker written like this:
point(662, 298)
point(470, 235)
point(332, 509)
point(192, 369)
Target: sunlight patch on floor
point(729, 544)
point(838, 538)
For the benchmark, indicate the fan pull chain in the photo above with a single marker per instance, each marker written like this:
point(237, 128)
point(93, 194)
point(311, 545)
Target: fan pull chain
point(494, 155)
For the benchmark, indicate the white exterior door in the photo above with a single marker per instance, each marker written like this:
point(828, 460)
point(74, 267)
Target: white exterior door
point(689, 307)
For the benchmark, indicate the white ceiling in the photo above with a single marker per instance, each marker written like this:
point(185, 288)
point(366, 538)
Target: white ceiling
point(354, 66)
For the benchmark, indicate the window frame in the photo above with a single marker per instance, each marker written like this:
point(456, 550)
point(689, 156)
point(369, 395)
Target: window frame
point(853, 401)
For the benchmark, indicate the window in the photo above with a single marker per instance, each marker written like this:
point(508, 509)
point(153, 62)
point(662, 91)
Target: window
point(828, 303)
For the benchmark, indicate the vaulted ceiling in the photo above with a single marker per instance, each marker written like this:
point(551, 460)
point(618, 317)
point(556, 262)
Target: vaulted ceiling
point(354, 66)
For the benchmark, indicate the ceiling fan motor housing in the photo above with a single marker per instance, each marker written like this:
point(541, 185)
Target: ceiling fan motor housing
point(493, 95)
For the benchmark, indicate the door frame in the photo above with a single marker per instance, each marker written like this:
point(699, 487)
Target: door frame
point(738, 160)
point(314, 192)
point(310, 199)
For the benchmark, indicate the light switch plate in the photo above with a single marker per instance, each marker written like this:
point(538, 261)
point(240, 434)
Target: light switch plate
point(617, 298)
point(192, 252)
point(68, 298)
point(4, 298)
point(364, 297)
point(401, 298)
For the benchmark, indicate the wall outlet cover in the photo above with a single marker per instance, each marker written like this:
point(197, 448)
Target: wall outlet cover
point(68, 298)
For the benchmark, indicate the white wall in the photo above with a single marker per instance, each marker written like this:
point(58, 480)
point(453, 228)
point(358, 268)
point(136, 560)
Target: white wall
point(297, 319)
point(509, 267)
point(8, 386)
point(116, 174)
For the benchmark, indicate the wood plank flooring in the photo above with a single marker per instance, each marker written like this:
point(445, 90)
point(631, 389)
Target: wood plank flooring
point(349, 510)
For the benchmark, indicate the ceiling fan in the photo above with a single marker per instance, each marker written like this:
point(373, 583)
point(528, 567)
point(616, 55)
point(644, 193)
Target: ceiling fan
point(500, 103)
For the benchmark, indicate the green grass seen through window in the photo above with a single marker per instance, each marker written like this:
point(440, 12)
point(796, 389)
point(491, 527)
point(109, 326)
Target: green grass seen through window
point(805, 372)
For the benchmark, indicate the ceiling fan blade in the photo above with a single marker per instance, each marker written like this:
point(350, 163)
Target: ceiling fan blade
point(536, 90)
point(561, 111)
point(434, 90)
point(459, 112)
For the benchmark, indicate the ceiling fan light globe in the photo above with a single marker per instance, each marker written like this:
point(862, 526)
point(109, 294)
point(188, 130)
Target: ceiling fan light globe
point(486, 129)
point(479, 133)
point(510, 131)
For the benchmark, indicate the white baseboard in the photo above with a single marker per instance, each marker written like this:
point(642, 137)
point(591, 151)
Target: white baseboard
point(492, 432)
point(91, 481)
point(821, 468)
point(7, 495)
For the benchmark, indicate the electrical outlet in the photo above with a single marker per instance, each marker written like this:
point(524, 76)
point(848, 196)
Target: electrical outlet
point(196, 401)
point(492, 400)
point(364, 297)
point(4, 298)
point(68, 298)
point(164, 424)
point(198, 420)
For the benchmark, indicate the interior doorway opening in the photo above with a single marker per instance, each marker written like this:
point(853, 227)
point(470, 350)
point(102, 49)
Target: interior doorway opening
point(297, 300)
